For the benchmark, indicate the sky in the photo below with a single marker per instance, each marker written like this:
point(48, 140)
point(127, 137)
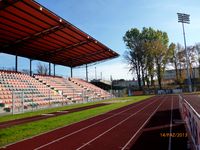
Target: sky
point(108, 21)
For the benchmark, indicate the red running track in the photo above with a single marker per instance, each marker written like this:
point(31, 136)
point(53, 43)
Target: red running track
point(11, 123)
point(117, 129)
point(165, 130)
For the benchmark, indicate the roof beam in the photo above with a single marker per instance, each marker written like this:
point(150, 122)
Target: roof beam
point(36, 35)
point(70, 47)
point(64, 49)
point(83, 56)
point(6, 3)
point(91, 58)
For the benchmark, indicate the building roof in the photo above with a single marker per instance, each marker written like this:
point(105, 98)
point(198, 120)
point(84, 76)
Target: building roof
point(30, 30)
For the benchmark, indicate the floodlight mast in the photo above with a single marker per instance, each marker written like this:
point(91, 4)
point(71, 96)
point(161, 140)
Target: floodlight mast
point(184, 18)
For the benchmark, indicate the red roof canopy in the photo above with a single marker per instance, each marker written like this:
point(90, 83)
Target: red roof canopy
point(30, 30)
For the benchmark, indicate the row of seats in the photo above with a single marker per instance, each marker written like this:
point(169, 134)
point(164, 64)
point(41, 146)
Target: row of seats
point(25, 91)
point(59, 84)
point(40, 90)
point(100, 92)
point(73, 88)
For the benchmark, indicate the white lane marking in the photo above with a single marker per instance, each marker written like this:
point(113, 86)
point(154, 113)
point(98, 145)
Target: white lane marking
point(114, 126)
point(170, 130)
point(63, 111)
point(20, 121)
point(42, 146)
point(124, 147)
point(47, 114)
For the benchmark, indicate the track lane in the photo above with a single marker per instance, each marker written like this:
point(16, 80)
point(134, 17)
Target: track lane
point(150, 134)
point(43, 139)
point(156, 134)
point(97, 131)
point(118, 137)
point(126, 146)
point(171, 123)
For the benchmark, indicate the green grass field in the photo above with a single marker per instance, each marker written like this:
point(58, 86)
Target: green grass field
point(19, 132)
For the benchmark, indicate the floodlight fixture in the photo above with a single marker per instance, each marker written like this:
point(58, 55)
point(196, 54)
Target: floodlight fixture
point(183, 18)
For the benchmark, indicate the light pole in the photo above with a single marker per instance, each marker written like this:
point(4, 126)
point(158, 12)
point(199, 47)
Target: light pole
point(184, 18)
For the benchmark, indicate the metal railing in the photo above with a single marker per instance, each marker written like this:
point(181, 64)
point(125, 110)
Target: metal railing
point(192, 120)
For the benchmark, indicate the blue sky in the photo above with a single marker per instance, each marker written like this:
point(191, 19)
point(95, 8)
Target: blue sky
point(108, 20)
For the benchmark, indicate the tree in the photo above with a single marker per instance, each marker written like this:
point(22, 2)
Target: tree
point(158, 49)
point(198, 53)
point(148, 52)
point(42, 69)
point(174, 61)
point(181, 63)
point(178, 62)
point(148, 35)
point(193, 60)
point(133, 55)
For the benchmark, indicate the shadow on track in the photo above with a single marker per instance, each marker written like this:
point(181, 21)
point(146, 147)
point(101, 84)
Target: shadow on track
point(155, 135)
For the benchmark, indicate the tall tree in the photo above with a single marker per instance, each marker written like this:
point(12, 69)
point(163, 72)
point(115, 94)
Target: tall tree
point(148, 52)
point(181, 63)
point(174, 61)
point(193, 59)
point(148, 34)
point(158, 48)
point(198, 53)
point(134, 55)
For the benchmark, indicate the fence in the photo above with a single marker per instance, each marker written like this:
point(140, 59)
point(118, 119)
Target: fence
point(21, 101)
point(30, 100)
point(192, 120)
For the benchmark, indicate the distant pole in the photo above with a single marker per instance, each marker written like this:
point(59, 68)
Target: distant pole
point(111, 84)
point(49, 68)
point(16, 63)
point(54, 69)
point(30, 67)
point(184, 18)
point(101, 75)
point(71, 72)
point(86, 72)
point(95, 73)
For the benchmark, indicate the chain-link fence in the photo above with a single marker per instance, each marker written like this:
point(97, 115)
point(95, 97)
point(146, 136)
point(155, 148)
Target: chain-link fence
point(31, 100)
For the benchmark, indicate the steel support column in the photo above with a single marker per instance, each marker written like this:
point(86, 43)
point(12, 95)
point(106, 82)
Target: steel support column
point(30, 67)
point(71, 72)
point(49, 68)
point(54, 69)
point(86, 73)
point(16, 63)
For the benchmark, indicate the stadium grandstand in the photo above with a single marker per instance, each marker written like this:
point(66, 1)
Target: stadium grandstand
point(37, 111)
point(30, 30)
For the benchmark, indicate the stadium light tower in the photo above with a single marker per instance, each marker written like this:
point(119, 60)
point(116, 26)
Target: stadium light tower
point(185, 18)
